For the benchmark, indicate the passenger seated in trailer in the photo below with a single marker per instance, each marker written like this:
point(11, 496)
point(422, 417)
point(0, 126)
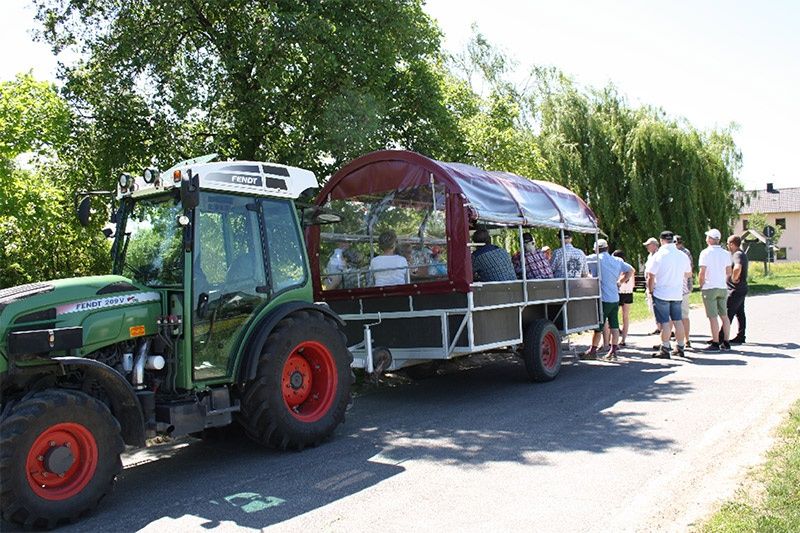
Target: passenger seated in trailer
point(573, 258)
point(536, 262)
point(351, 275)
point(490, 262)
point(436, 267)
point(388, 268)
point(336, 265)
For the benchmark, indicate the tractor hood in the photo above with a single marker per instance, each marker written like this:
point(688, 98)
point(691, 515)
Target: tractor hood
point(85, 312)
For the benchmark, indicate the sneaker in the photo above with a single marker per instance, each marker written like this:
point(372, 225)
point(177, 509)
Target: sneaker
point(688, 344)
point(725, 345)
point(737, 340)
point(622, 344)
point(662, 353)
point(656, 332)
point(678, 351)
point(589, 355)
point(610, 356)
point(712, 347)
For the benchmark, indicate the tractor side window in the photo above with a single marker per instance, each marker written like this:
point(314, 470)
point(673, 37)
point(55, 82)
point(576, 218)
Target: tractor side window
point(286, 258)
point(409, 223)
point(229, 279)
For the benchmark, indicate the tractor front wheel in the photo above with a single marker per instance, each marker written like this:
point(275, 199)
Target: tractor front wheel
point(302, 384)
point(59, 456)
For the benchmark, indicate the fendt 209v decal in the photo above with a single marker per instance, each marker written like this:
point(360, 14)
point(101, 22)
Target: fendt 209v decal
point(111, 301)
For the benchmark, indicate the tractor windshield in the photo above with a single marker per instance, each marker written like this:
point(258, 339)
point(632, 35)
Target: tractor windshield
point(150, 249)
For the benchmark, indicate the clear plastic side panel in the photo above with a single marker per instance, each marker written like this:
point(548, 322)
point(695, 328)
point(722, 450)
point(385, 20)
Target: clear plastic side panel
point(388, 238)
point(575, 212)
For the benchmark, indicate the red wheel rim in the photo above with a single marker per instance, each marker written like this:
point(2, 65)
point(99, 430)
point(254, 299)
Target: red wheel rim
point(549, 350)
point(309, 381)
point(61, 461)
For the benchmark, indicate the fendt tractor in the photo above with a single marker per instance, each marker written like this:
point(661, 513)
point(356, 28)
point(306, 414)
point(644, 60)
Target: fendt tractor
point(207, 319)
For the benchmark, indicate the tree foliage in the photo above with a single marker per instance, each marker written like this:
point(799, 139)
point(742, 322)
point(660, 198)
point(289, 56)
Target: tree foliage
point(312, 84)
point(39, 239)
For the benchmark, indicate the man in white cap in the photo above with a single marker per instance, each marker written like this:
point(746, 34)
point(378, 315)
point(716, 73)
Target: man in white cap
point(651, 245)
point(613, 272)
point(668, 272)
point(715, 269)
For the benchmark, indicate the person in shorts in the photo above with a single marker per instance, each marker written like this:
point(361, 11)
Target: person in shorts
point(613, 271)
point(668, 271)
point(651, 245)
point(715, 269)
point(687, 291)
point(625, 300)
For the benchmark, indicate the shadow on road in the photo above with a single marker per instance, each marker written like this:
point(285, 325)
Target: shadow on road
point(467, 418)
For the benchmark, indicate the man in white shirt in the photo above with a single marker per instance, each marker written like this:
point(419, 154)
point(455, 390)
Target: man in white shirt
point(668, 272)
point(715, 268)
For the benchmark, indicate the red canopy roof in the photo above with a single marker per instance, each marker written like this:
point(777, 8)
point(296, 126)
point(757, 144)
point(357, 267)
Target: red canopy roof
point(496, 197)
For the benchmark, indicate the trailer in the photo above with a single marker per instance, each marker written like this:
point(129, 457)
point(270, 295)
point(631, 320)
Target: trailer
point(440, 312)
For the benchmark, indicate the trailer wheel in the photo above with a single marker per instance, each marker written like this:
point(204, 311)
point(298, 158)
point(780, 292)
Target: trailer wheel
point(302, 384)
point(59, 457)
point(541, 350)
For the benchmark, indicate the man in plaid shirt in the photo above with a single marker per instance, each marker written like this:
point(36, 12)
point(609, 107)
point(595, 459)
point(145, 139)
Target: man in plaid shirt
point(536, 263)
point(490, 262)
point(574, 258)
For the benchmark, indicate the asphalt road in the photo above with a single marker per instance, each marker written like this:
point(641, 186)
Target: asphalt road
point(638, 445)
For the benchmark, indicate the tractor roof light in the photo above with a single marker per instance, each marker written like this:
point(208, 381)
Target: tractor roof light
point(150, 175)
point(126, 182)
point(176, 176)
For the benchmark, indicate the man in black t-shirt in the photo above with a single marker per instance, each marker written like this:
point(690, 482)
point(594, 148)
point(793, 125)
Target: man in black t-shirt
point(737, 287)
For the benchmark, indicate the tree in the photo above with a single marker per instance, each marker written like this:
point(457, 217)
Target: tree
point(39, 239)
point(312, 84)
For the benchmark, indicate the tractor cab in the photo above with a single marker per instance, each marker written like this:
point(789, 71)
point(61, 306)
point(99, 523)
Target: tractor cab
point(219, 241)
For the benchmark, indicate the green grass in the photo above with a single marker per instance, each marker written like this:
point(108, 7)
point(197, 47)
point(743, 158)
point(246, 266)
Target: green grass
point(776, 507)
point(782, 276)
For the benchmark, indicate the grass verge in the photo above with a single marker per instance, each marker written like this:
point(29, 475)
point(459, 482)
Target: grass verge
point(781, 276)
point(775, 508)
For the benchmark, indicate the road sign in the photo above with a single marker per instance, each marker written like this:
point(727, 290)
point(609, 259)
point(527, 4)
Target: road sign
point(769, 232)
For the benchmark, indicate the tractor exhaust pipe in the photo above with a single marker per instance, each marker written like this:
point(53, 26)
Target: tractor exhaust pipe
point(138, 366)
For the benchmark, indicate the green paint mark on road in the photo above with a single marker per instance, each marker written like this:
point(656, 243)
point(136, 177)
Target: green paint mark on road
point(253, 502)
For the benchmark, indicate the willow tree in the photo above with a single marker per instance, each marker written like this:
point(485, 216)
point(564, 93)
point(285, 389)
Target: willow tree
point(640, 170)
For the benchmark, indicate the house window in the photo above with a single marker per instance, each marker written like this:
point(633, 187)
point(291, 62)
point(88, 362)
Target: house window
point(780, 222)
point(780, 254)
point(745, 224)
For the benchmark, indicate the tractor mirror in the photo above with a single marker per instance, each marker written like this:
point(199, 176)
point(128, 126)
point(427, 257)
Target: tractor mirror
point(190, 192)
point(316, 216)
point(84, 210)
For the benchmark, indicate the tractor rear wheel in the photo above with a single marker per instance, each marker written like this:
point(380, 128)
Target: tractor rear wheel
point(541, 350)
point(59, 456)
point(302, 384)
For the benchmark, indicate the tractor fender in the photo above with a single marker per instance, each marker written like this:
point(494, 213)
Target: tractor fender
point(124, 403)
point(249, 363)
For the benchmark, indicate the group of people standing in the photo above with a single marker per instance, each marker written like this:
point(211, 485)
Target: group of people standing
point(723, 284)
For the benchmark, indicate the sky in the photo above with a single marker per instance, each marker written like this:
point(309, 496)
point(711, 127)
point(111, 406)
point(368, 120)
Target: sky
point(712, 62)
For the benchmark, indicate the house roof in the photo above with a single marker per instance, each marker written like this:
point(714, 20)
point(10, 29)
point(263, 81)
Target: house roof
point(761, 201)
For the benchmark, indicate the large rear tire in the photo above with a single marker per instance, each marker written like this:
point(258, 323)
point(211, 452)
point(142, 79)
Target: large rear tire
point(541, 350)
point(302, 384)
point(59, 456)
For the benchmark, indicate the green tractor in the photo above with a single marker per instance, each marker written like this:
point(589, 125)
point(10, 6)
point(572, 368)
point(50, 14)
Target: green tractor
point(208, 319)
